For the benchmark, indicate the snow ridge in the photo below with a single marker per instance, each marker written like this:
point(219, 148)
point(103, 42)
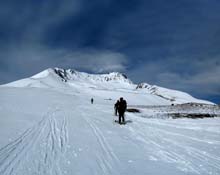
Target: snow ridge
point(169, 94)
point(70, 74)
point(70, 80)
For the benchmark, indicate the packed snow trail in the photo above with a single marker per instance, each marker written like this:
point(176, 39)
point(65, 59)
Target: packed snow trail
point(178, 146)
point(174, 145)
point(38, 150)
point(46, 132)
point(107, 155)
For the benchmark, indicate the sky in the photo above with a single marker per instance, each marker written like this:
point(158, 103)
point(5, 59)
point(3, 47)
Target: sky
point(173, 44)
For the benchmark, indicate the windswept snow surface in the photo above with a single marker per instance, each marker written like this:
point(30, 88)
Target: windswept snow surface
point(54, 130)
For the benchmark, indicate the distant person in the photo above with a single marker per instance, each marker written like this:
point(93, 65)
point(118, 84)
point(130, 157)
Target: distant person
point(116, 107)
point(92, 100)
point(122, 106)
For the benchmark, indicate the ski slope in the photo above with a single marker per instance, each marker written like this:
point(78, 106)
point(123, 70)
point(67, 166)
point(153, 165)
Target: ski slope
point(56, 131)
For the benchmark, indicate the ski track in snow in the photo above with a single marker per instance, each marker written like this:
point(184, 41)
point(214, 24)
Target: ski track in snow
point(159, 145)
point(47, 139)
point(97, 145)
point(108, 157)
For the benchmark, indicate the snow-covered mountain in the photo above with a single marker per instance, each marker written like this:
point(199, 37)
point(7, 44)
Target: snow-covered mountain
point(48, 126)
point(62, 78)
point(110, 84)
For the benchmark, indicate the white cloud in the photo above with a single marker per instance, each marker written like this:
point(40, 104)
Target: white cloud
point(33, 59)
point(97, 61)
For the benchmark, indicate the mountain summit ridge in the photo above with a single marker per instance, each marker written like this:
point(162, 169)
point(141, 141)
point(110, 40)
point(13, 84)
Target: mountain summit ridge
point(116, 83)
point(71, 74)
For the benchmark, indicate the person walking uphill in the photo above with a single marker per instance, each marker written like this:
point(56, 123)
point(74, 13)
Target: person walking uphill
point(116, 108)
point(122, 106)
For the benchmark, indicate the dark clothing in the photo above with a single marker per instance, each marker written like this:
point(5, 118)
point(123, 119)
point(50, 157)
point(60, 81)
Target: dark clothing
point(122, 106)
point(121, 117)
point(92, 101)
point(116, 107)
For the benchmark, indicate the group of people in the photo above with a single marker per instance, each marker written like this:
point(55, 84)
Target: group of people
point(120, 108)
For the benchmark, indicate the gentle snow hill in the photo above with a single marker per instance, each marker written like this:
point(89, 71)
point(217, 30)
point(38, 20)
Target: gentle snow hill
point(106, 85)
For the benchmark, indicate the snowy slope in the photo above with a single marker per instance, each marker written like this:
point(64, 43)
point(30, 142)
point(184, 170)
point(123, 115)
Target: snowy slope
point(49, 127)
point(169, 94)
point(105, 85)
point(47, 131)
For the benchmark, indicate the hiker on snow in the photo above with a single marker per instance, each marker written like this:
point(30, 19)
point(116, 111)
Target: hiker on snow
point(116, 107)
point(92, 100)
point(122, 106)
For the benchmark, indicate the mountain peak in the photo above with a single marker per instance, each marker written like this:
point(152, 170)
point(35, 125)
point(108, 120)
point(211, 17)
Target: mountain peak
point(70, 74)
point(114, 82)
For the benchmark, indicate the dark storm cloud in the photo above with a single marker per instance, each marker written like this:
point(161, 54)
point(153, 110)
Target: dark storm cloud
point(31, 59)
point(199, 77)
point(171, 43)
point(27, 27)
